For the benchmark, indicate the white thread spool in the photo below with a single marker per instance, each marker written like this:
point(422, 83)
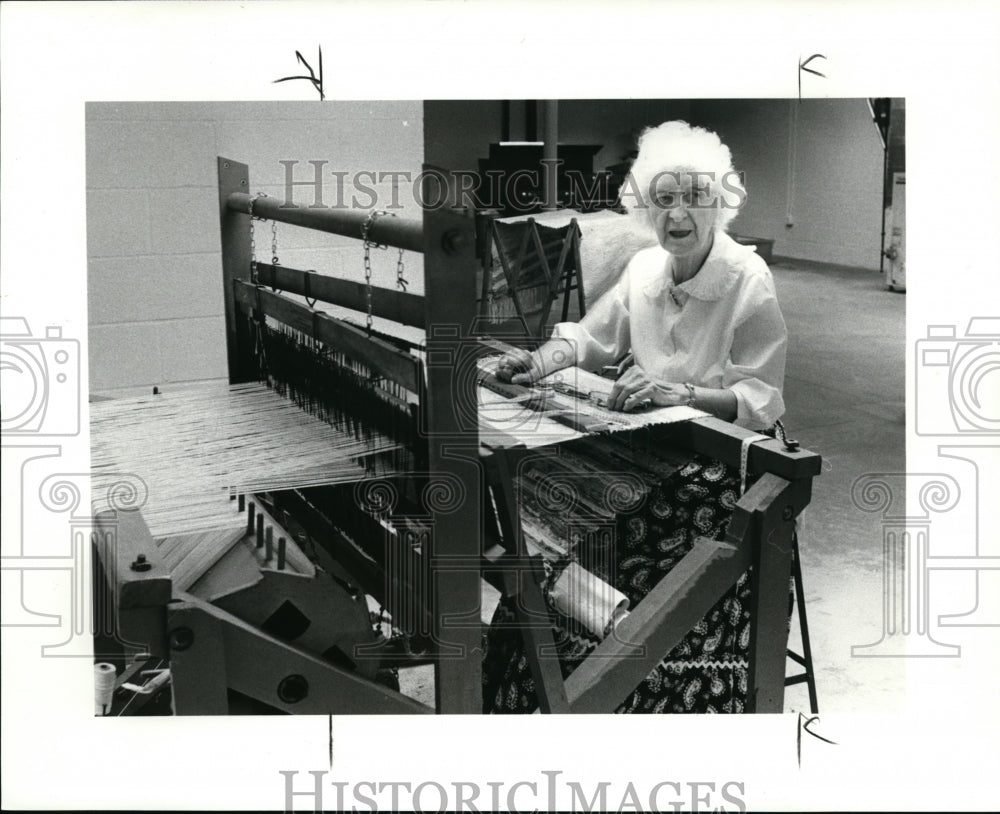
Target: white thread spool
point(585, 597)
point(104, 687)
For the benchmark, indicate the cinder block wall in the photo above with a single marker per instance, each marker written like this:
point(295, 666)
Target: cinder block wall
point(154, 264)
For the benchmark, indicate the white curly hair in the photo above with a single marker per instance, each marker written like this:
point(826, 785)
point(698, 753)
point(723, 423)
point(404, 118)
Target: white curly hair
point(678, 147)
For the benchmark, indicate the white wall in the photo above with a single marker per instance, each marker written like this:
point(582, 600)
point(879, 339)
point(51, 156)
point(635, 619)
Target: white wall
point(154, 262)
point(829, 150)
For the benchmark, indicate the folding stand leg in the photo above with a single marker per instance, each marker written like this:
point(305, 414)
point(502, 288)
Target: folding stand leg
point(805, 660)
point(578, 263)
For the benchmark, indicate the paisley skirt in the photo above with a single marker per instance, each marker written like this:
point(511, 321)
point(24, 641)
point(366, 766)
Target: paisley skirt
point(708, 670)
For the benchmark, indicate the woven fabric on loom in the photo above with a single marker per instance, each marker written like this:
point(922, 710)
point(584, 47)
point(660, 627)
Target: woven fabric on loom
point(505, 421)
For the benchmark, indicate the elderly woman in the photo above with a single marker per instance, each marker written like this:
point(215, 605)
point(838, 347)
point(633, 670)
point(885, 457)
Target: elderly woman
point(699, 315)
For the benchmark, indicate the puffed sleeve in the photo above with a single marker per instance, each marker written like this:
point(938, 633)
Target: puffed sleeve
point(755, 371)
point(602, 336)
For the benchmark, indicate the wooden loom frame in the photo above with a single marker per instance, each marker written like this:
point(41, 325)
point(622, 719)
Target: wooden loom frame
point(446, 311)
point(760, 532)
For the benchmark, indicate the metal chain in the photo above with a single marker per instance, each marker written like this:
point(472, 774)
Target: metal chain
point(253, 244)
point(274, 244)
point(368, 246)
point(253, 241)
point(400, 279)
point(258, 319)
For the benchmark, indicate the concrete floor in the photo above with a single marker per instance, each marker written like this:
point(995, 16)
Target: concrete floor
point(844, 392)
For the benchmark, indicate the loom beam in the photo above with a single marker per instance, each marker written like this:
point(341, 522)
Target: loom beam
point(397, 306)
point(400, 233)
point(381, 356)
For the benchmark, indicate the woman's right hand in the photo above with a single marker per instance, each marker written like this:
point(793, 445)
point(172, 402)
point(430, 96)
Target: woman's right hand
point(519, 367)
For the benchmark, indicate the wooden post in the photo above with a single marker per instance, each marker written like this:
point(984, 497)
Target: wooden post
point(235, 231)
point(770, 586)
point(450, 399)
point(550, 154)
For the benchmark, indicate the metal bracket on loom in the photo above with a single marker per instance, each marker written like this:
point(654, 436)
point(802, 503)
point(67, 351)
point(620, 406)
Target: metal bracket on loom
point(260, 322)
point(307, 286)
point(259, 308)
point(316, 315)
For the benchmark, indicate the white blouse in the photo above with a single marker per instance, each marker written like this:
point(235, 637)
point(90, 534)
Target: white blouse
point(722, 328)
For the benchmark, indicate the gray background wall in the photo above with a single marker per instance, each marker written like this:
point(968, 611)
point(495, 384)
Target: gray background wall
point(154, 264)
point(818, 159)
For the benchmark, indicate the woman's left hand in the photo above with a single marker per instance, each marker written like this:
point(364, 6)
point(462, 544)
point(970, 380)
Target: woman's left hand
point(635, 390)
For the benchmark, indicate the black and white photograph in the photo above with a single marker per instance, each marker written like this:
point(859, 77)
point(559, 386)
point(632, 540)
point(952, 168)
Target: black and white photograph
point(578, 488)
point(332, 400)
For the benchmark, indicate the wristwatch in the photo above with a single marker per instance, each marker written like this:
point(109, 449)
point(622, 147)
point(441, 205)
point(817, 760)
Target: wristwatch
point(690, 389)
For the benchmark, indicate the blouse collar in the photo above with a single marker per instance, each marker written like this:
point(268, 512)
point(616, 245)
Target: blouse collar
point(717, 275)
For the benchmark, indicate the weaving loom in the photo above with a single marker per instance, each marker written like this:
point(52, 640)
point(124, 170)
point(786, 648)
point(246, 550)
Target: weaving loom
point(425, 476)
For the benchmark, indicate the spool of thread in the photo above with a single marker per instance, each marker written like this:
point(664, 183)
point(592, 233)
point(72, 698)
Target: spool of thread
point(104, 687)
point(580, 595)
